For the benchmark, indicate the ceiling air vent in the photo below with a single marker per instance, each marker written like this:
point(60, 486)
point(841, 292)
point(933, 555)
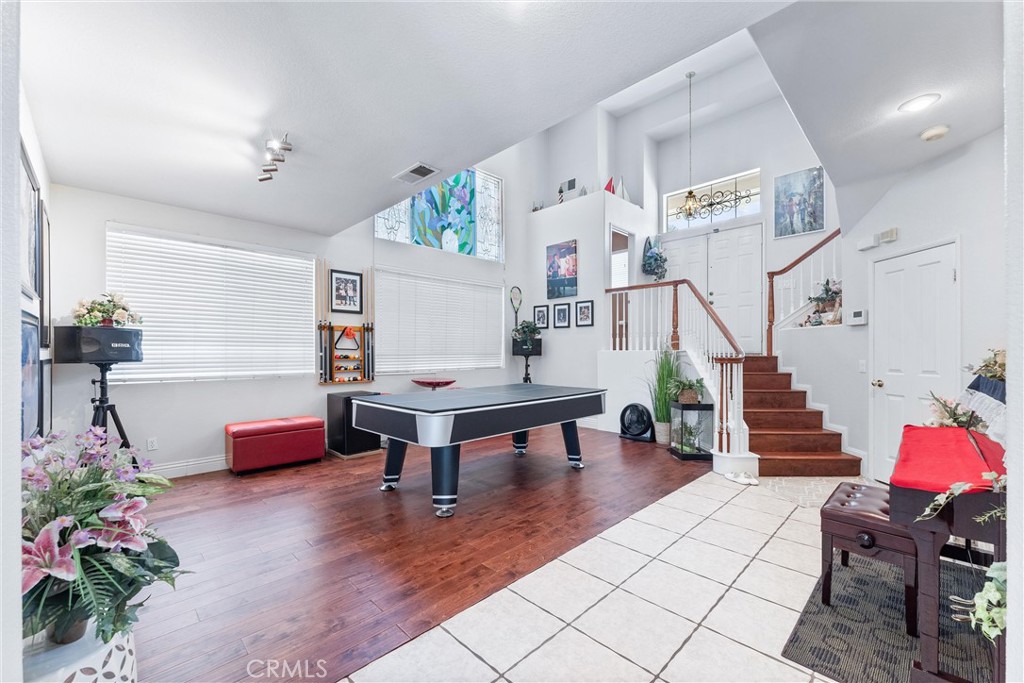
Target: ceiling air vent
point(416, 173)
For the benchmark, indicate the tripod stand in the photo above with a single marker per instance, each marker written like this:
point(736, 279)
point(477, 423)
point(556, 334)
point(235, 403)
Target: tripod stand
point(102, 407)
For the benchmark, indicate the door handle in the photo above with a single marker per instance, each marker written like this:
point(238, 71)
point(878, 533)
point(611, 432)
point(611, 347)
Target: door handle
point(711, 293)
point(878, 383)
point(711, 303)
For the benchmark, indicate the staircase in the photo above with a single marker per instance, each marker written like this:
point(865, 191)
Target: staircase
point(789, 436)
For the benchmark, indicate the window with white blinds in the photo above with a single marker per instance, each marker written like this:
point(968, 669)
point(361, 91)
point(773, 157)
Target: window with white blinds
point(212, 311)
point(424, 323)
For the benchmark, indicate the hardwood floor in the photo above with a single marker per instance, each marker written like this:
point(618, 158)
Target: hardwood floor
point(311, 568)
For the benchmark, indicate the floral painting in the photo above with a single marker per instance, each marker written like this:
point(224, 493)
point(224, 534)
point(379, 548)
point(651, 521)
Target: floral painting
point(444, 216)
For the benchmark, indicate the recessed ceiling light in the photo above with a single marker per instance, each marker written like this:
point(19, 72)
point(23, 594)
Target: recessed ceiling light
point(920, 102)
point(934, 133)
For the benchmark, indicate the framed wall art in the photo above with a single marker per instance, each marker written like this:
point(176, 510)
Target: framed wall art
point(800, 202)
point(346, 292)
point(585, 313)
point(31, 376)
point(45, 327)
point(561, 270)
point(540, 316)
point(29, 225)
point(561, 313)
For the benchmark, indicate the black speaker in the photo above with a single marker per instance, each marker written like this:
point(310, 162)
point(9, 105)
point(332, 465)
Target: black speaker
point(635, 423)
point(97, 344)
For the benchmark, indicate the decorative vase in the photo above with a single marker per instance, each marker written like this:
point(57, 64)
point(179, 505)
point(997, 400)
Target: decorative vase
point(107, 322)
point(86, 659)
point(688, 396)
point(662, 432)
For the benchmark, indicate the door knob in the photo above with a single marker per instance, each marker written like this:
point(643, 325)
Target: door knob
point(878, 383)
point(711, 303)
point(711, 293)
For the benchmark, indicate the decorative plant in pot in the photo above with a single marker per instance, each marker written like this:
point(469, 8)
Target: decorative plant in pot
point(828, 298)
point(111, 310)
point(688, 390)
point(87, 549)
point(662, 388)
point(524, 333)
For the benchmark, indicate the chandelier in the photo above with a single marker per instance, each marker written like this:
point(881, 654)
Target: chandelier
point(710, 203)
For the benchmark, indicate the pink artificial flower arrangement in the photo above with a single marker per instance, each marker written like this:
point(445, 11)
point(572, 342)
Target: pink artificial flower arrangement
point(86, 547)
point(949, 413)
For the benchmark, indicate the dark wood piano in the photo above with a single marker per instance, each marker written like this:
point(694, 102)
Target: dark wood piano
point(931, 459)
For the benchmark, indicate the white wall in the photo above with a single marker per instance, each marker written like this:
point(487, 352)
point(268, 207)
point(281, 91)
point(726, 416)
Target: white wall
point(766, 136)
point(188, 417)
point(958, 196)
point(10, 350)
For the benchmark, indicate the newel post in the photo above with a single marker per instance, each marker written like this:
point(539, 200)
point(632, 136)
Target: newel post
point(675, 317)
point(771, 312)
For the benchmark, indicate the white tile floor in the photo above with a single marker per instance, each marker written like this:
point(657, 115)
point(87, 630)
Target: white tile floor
point(704, 585)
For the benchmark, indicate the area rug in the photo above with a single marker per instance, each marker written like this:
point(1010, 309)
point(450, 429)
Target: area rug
point(861, 638)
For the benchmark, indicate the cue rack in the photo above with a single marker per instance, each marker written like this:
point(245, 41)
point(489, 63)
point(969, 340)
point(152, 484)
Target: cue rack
point(346, 352)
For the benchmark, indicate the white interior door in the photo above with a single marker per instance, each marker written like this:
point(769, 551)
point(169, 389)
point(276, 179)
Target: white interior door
point(734, 278)
point(688, 258)
point(915, 333)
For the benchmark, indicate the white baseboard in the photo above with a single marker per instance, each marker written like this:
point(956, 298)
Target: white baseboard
point(184, 468)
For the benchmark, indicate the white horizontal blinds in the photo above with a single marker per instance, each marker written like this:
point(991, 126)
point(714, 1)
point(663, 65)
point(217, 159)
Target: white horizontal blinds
point(425, 323)
point(212, 311)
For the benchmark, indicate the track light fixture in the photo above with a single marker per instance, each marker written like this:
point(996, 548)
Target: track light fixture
point(275, 150)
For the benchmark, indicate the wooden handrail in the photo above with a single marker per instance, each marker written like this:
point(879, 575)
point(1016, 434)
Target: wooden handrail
point(782, 271)
point(674, 284)
point(807, 254)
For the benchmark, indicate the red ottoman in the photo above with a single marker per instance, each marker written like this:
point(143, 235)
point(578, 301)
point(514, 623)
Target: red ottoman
point(265, 443)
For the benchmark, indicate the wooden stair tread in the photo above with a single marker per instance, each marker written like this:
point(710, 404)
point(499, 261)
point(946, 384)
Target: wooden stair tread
point(781, 410)
point(774, 391)
point(784, 430)
point(819, 455)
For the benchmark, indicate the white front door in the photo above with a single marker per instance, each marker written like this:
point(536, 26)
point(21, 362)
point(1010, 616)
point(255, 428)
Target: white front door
point(726, 268)
point(915, 341)
point(734, 281)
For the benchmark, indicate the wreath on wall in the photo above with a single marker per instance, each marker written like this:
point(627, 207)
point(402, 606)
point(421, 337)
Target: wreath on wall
point(654, 261)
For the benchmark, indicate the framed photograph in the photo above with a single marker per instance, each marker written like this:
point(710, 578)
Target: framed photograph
point(46, 396)
point(800, 202)
point(31, 376)
point(29, 224)
point(346, 292)
point(561, 313)
point(561, 270)
point(45, 327)
point(540, 316)
point(585, 313)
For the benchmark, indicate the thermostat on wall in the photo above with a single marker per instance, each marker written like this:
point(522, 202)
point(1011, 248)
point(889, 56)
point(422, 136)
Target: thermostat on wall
point(858, 317)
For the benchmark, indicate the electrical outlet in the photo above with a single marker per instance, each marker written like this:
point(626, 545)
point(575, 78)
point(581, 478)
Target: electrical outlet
point(151, 444)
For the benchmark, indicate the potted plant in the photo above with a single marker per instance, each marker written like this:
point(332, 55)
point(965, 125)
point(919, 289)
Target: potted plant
point(523, 339)
point(661, 386)
point(828, 298)
point(688, 390)
point(87, 549)
point(111, 310)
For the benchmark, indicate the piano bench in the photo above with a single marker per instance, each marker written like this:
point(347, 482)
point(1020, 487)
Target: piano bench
point(855, 519)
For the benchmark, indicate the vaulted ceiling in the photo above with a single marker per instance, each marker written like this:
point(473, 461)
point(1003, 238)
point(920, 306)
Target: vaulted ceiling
point(171, 102)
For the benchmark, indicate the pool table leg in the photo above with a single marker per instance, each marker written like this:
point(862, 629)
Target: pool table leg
point(444, 475)
point(572, 444)
point(393, 464)
point(519, 442)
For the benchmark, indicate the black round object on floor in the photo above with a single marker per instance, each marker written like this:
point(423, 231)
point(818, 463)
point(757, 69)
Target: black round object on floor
point(635, 423)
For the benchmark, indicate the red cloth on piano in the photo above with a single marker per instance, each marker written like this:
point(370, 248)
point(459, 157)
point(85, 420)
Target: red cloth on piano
point(933, 458)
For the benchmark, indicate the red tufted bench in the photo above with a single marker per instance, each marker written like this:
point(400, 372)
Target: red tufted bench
point(855, 519)
point(265, 443)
